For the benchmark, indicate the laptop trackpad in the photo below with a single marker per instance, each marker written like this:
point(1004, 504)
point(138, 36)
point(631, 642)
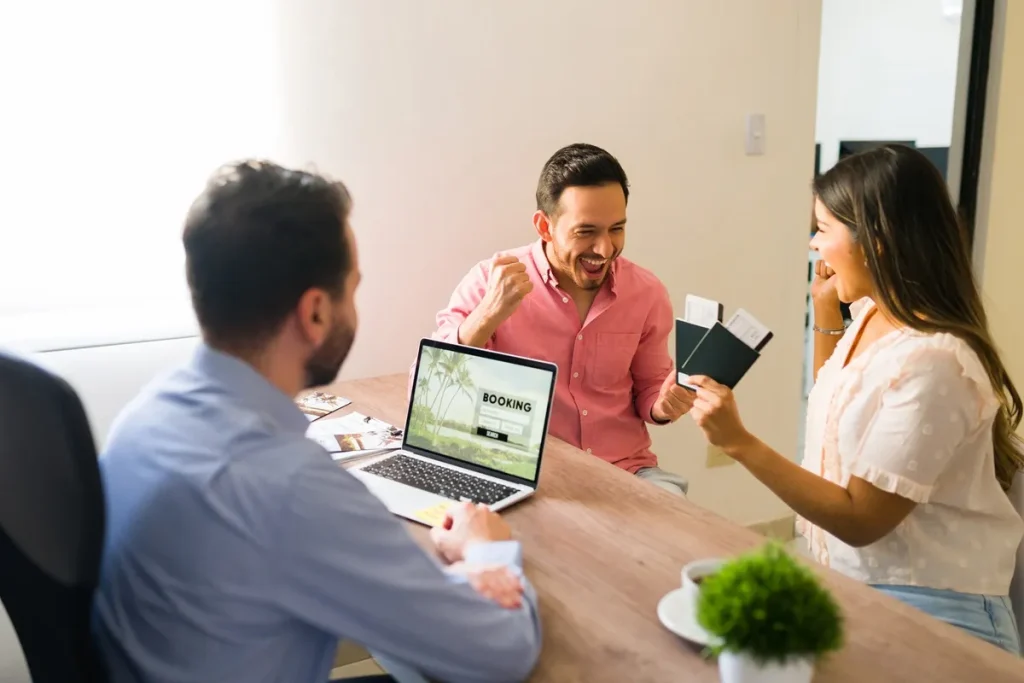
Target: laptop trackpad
point(400, 499)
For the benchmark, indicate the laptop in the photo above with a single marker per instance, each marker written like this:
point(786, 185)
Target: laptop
point(475, 431)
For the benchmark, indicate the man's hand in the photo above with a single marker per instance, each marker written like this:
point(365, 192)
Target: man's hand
point(673, 401)
point(494, 582)
point(507, 286)
point(464, 525)
point(715, 412)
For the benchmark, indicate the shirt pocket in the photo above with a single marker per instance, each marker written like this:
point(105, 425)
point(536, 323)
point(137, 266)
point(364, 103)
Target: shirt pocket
point(611, 358)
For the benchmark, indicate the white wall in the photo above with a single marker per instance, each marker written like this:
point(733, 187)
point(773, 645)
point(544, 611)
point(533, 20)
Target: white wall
point(12, 662)
point(107, 377)
point(888, 72)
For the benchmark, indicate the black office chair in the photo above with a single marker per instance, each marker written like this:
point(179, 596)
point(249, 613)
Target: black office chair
point(51, 523)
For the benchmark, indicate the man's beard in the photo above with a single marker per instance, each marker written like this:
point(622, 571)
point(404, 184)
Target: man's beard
point(323, 366)
point(569, 264)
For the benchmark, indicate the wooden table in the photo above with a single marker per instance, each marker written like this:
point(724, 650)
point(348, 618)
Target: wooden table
point(603, 547)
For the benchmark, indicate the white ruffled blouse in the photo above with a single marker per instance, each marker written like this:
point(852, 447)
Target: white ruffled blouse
point(912, 415)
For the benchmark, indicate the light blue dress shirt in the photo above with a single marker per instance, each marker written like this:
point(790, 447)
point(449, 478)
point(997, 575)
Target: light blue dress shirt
point(237, 550)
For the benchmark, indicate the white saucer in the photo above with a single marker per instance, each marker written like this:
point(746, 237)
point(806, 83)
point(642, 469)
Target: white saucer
point(677, 615)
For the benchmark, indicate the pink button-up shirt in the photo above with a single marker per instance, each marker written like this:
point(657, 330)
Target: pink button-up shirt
point(610, 368)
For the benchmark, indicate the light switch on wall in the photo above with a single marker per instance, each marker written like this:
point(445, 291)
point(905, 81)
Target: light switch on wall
point(755, 134)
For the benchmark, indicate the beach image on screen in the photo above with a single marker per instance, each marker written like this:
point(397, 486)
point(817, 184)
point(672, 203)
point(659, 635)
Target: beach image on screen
point(480, 410)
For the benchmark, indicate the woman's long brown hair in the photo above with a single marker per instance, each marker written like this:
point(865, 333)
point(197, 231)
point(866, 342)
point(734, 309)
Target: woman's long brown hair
point(896, 204)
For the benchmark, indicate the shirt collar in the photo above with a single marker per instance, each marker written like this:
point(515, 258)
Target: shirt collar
point(540, 257)
point(250, 387)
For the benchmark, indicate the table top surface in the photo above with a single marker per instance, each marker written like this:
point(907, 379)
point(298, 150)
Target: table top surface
point(602, 548)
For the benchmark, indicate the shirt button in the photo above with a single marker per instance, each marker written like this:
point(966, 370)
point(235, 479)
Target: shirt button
point(589, 451)
point(580, 337)
point(565, 299)
point(575, 375)
point(584, 413)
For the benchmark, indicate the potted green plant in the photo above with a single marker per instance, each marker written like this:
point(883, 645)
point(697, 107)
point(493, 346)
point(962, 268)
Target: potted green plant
point(773, 617)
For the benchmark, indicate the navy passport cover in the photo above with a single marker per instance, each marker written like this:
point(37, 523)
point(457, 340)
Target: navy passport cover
point(715, 352)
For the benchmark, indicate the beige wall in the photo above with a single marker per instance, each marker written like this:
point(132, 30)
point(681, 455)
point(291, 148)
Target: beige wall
point(999, 241)
point(999, 246)
point(439, 116)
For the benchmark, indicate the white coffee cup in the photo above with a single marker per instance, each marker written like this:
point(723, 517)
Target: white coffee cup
point(692, 574)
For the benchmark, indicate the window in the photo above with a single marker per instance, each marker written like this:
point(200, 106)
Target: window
point(114, 115)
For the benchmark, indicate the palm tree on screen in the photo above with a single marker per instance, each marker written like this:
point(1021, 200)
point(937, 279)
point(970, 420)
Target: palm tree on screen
point(429, 369)
point(450, 366)
point(463, 384)
point(433, 364)
point(422, 390)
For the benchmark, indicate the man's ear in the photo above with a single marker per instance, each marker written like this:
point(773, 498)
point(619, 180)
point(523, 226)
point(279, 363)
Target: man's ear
point(543, 225)
point(313, 315)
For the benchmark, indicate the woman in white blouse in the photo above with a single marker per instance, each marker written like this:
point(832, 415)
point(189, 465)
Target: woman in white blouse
point(910, 443)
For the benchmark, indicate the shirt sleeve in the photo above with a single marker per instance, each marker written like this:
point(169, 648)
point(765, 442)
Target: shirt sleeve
point(905, 432)
point(466, 297)
point(351, 569)
point(652, 363)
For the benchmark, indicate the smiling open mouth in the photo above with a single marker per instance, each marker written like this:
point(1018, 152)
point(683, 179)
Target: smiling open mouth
point(593, 267)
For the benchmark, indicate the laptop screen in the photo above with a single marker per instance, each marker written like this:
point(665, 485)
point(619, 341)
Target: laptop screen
point(482, 409)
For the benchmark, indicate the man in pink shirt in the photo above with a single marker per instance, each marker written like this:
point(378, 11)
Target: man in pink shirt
point(570, 299)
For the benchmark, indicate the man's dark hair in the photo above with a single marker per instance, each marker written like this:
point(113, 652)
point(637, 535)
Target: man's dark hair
point(256, 239)
point(578, 165)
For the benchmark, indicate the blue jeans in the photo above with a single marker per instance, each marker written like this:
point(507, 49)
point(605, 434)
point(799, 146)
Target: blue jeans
point(989, 617)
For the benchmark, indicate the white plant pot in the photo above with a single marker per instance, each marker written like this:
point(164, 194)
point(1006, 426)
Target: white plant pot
point(739, 668)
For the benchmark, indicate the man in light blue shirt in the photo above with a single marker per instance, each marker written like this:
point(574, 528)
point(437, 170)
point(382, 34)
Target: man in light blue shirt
point(237, 550)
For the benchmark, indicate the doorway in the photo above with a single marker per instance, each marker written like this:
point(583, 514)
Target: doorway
point(912, 72)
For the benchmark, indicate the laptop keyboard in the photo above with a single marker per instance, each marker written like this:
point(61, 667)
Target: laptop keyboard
point(440, 480)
